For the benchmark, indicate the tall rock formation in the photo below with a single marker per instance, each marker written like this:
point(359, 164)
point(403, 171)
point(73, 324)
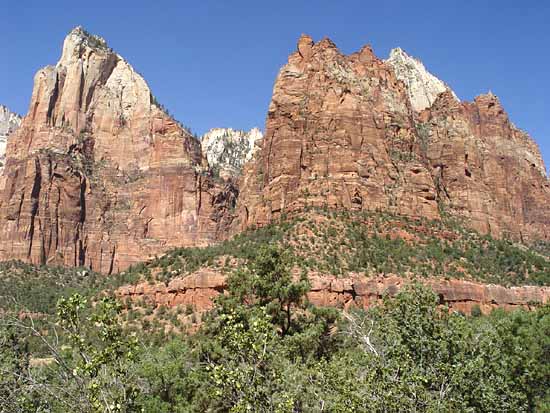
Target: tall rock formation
point(422, 87)
point(98, 174)
point(347, 132)
point(9, 122)
point(227, 150)
point(340, 133)
point(487, 171)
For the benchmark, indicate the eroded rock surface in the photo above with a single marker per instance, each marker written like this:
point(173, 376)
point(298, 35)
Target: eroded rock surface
point(202, 287)
point(98, 174)
point(423, 87)
point(227, 150)
point(9, 122)
point(345, 132)
point(487, 171)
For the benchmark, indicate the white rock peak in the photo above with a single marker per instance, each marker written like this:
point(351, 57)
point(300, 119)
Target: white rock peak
point(423, 87)
point(9, 122)
point(227, 150)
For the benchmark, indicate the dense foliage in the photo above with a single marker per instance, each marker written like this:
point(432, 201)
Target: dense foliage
point(264, 348)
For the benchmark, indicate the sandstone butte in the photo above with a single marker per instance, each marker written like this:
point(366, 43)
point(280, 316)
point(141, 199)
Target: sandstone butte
point(341, 133)
point(100, 175)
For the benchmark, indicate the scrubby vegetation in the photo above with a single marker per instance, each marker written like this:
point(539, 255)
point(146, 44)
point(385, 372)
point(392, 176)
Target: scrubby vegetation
point(264, 348)
point(67, 345)
point(35, 289)
point(376, 243)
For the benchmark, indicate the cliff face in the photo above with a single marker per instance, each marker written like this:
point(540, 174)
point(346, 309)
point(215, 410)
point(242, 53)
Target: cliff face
point(487, 171)
point(340, 133)
point(347, 132)
point(200, 289)
point(9, 122)
point(422, 87)
point(98, 174)
point(227, 150)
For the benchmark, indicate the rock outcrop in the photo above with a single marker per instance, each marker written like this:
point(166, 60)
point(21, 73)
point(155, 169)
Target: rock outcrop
point(98, 174)
point(487, 171)
point(202, 287)
point(227, 150)
point(9, 122)
point(340, 133)
point(345, 132)
point(423, 88)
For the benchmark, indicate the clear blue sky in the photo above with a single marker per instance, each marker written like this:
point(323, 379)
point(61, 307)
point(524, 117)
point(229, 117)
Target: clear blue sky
point(213, 63)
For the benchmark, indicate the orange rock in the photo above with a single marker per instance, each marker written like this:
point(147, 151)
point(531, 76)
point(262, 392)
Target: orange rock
point(357, 291)
point(99, 174)
point(341, 133)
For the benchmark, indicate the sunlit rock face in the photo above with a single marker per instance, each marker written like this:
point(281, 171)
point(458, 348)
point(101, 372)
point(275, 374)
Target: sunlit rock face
point(99, 174)
point(9, 122)
point(359, 133)
point(227, 150)
point(422, 87)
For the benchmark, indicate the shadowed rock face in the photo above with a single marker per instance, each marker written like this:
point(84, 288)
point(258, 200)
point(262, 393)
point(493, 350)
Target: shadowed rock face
point(98, 174)
point(345, 132)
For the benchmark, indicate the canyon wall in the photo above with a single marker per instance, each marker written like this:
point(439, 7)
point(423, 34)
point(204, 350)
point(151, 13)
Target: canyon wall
point(99, 174)
point(348, 132)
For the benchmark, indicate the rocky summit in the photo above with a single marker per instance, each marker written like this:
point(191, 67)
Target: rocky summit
point(360, 133)
point(9, 122)
point(227, 150)
point(99, 174)
point(422, 86)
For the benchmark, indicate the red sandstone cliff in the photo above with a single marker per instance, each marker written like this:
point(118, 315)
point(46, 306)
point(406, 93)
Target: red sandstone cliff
point(199, 289)
point(98, 174)
point(341, 132)
point(485, 169)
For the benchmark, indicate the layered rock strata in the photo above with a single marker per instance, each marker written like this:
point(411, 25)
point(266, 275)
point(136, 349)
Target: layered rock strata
point(345, 132)
point(199, 289)
point(99, 174)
